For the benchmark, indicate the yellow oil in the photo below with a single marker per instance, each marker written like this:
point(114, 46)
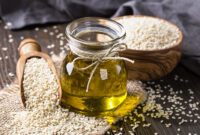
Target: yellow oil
point(103, 94)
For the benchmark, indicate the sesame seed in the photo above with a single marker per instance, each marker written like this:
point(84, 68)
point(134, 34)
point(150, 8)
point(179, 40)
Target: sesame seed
point(5, 27)
point(45, 30)
point(4, 49)
point(21, 37)
point(10, 36)
point(11, 74)
point(10, 40)
point(9, 24)
point(36, 29)
point(51, 33)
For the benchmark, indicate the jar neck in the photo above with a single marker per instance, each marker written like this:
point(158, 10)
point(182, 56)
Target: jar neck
point(93, 37)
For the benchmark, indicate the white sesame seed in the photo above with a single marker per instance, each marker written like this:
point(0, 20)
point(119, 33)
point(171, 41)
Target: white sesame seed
point(36, 29)
point(178, 129)
point(5, 27)
point(9, 24)
point(45, 30)
point(4, 49)
point(11, 74)
point(10, 36)
point(21, 37)
point(51, 33)
point(10, 40)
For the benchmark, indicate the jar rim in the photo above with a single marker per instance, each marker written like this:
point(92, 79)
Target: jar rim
point(70, 35)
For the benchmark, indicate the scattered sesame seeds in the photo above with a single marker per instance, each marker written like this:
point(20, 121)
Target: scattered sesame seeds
point(166, 103)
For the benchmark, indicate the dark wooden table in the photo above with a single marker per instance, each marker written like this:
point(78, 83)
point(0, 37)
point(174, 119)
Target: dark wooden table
point(8, 58)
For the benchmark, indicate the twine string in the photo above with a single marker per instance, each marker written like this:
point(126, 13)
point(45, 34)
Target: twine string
point(97, 60)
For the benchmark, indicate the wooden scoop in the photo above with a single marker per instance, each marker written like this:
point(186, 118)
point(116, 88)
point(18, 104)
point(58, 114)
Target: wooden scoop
point(29, 48)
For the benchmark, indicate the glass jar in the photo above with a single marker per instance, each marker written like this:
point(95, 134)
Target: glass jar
point(89, 40)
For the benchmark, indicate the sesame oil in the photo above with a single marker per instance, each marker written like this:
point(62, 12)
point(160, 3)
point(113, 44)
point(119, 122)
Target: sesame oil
point(107, 88)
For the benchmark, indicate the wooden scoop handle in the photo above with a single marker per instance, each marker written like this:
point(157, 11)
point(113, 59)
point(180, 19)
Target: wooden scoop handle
point(28, 45)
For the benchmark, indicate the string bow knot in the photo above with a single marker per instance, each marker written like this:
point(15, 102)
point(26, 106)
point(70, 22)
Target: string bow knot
point(110, 54)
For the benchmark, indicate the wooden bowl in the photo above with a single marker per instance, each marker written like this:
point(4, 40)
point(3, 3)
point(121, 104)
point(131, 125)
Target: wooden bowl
point(152, 64)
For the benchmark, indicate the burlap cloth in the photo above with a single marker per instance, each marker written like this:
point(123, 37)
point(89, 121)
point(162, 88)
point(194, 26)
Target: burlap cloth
point(10, 100)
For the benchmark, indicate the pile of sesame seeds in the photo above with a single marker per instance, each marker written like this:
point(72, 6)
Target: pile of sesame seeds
point(43, 115)
point(166, 105)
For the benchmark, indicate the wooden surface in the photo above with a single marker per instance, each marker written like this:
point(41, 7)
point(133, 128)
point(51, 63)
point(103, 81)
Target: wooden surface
point(7, 65)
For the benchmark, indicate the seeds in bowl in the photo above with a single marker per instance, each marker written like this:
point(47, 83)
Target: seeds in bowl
point(148, 33)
